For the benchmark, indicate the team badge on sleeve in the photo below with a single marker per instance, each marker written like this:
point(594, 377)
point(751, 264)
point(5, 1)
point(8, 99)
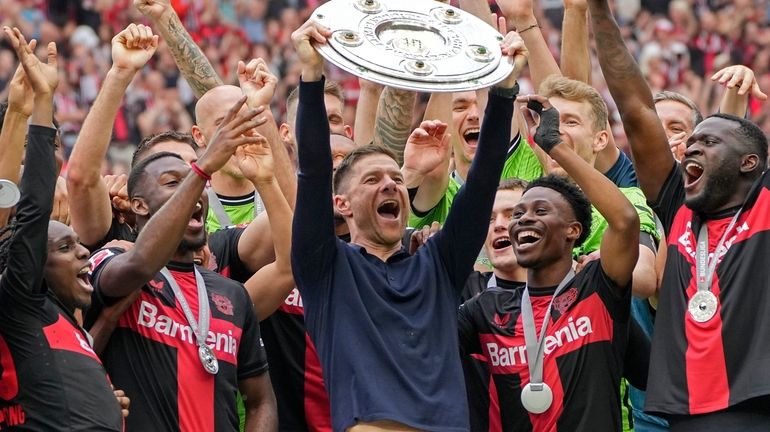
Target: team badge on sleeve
point(222, 303)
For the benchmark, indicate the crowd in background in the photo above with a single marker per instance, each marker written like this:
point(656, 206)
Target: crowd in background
point(679, 44)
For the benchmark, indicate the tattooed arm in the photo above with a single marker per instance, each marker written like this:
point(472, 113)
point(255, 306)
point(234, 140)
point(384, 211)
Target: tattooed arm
point(652, 158)
point(193, 64)
point(394, 120)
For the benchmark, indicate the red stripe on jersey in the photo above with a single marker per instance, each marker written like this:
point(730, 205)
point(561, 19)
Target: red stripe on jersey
point(149, 317)
point(495, 421)
point(62, 335)
point(317, 407)
point(195, 393)
point(9, 382)
point(585, 323)
point(708, 386)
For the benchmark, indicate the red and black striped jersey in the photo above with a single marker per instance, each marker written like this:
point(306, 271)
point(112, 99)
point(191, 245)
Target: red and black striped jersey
point(152, 353)
point(295, 371)
point(50, 377)
point(704, 367)
point(584, 349)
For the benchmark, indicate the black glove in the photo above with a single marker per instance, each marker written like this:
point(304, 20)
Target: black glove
point(547, 133)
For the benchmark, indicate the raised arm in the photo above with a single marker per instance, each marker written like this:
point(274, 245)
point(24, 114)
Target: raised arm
point(159, 238)
point(393, 123)
point(618, 259)
point(273, 282)
point(575, 56)
point(541, 61)
point(92, 216)
point(258, 84)
point(311, 241)
point(193, 64)
point(27, 252)
point(431, 181)
point(14, 131)
point(652, 158)
point(366, 111)
point(739, 83)
point(464, 224)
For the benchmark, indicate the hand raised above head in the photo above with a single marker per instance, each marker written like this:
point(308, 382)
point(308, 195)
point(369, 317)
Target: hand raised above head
point(303, 39)
point(256, 161)
point(512, 47)
point(20, 91)
point(545, 129)
point(427, 147)
point(235, 130)
point(153, 9)
point(257, 82)
point(43, 77)
point(133, 47)
point(742, 77)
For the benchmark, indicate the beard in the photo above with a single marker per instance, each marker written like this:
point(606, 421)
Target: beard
point(717, 191)
point(192, 245)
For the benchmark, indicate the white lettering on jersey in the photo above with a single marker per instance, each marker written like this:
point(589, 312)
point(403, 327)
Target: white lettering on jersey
point(512, 356)
point(687, 239)
point(294, 299)
point(149, 317)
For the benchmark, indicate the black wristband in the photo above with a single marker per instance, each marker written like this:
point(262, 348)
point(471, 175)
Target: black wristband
point(509, 93)
point(547, 134)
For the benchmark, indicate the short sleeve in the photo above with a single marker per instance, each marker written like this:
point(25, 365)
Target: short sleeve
point(619, 307)
point(98, 262)
point(670, 198)
point(252, 359)
point(223, 245)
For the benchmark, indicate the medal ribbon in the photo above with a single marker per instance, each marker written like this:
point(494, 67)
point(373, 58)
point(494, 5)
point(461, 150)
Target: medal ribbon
point(204, 315)
point(704, 266)
point(535, 345)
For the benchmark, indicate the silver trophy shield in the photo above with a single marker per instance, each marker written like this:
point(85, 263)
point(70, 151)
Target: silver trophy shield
point(419, 45)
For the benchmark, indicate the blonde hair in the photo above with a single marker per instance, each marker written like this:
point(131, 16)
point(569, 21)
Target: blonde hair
point(577, 91)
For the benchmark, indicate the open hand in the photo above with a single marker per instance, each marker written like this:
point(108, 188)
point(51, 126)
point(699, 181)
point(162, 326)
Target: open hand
point(133, 47)
point(20, 94)
point(742, 77)
point(427, 147)
point(43, 77)
point(234, 131)
point(256, 160)
point(257, 82)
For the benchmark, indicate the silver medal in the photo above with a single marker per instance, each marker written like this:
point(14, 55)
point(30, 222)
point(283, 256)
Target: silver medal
point(702, 306)
point(536, 398)
point(9, 193)
point(208, 359)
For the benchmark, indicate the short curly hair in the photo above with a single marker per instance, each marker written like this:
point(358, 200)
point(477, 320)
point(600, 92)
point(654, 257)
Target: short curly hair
point(580, 204)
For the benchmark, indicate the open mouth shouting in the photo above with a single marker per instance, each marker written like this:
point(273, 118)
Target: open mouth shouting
point(471, 136)
point(389, 209)
point(82, 277)
point(693, 172)
point(196, 220)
